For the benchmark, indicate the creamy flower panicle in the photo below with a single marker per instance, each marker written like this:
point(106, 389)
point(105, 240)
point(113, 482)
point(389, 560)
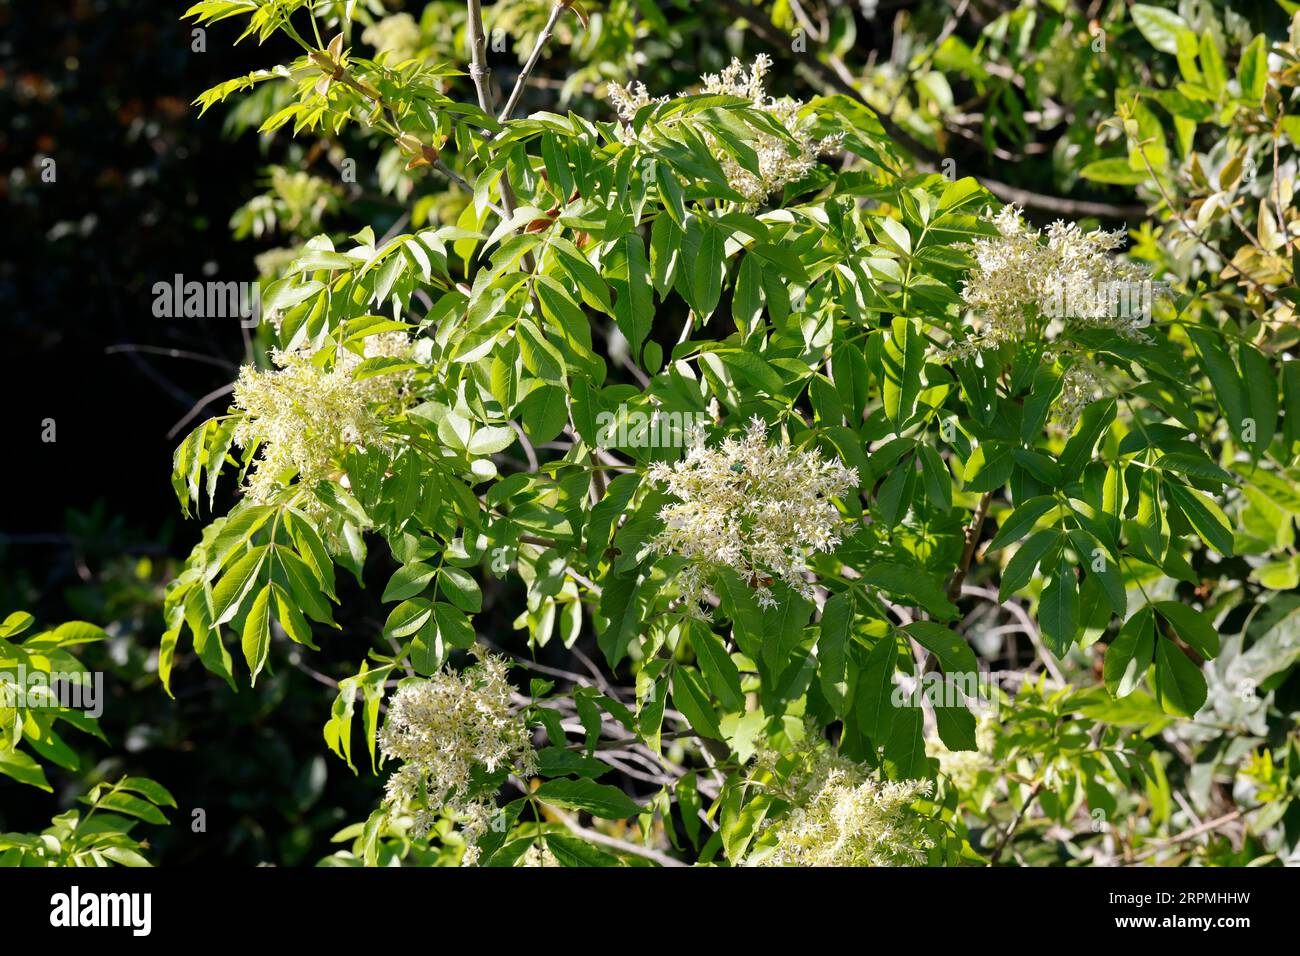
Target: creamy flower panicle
point(1081, 385)
point(840, 815)
point(443, 729)
point(779, 161)
point(1024, 275)
point(302, 418)
point(755, 508)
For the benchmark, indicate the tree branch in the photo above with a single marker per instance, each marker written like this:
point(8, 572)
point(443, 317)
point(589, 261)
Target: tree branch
point(1014, 824)
point(518, 91)
point(827, 77)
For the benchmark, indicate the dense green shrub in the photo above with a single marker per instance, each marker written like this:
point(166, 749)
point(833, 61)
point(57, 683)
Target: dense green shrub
point(747, 483)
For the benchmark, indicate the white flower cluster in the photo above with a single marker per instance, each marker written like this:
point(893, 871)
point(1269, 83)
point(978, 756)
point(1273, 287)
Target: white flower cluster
point(1081, 385)
point(840, 815)
point(444, 729)
point(759, 509)
point(1072, 277)
point(303, 417)
point(779, 161)
point(628, 100)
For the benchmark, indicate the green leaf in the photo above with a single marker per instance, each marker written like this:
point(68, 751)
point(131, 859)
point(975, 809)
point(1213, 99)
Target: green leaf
point(1192, 626)
point(544, 413)
point(302, 584)
point(954, 654)
point(894, 498)
point(853, 379)
point(1194, 466)
point(1042, 394)
point(989, 467)
point(461, 589)
point(905, 749)
point(1116, 171)
point(592, 287)
point(903, 356)
point(832, 652)
point(1021, 521)
point(257, 632)
point(1094, 421)
point(1020, 569)
point(1058, 610)
point(151, 790)
point(1262, 398)
point(408, 617)
point(290, 618)
point(21, 767)
point(427, 651)
point(230, 591)
point(874, 702)
point(692, 700)
point(1229, 389)
point(1216, 78)
point(453, 626)
point(132, 806)
point(186, 462)
point(1130, 654)
point(747, 297)
point(1210, 522)
point(342, 503)
point(702, 266)
point(1100, 565)
point(312, 550)
point(561, 762)
point(1180, 686)
point(598, 799)
point(740, 606)
point(15, 624)
point(570, 851)
point(718, 668)
point(937, 478)
point(167, 658)
point(409, 581)
point(913, 585)
point(1160, 26)
point(956, 726)
point(1252, 71)
point(236, 530)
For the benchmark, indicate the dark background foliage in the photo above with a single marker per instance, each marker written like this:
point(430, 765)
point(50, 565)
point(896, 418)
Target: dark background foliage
point(143, 190)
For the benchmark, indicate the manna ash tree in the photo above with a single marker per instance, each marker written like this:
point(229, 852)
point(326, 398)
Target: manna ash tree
point(882, 523)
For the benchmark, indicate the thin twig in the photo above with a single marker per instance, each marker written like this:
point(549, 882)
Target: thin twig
point(1015, 823)
point(171, 353)
point(972, 541)
point(1190, 834)
point(508, 110)
point(198, 407)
